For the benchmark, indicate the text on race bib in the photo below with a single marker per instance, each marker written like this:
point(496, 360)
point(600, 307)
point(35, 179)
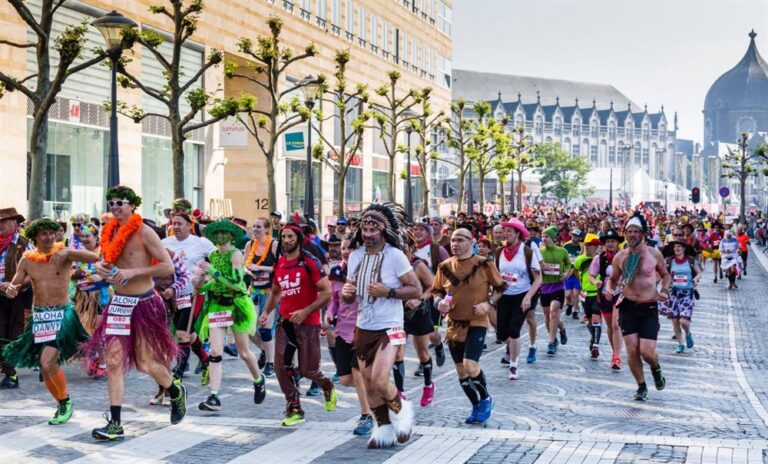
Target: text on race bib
point(184, 302)
point(551, 269)
point(119, 315)
point(510, 277)
point(46, 324)
point(679, 280)
point(221, 319)
point(396, 336)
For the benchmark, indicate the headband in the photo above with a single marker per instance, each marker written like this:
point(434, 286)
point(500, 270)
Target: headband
point(464, 233)
point(635, 221)
point(184, 216)
point(376, 219)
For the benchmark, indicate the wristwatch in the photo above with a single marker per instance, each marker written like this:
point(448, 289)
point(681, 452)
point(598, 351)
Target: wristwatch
point(492, 303)
point(392, 293)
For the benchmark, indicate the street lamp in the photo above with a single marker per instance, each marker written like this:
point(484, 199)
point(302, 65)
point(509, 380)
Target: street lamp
point(666, 195)
point(310, 87)
point(408, 188)
point(112, 26)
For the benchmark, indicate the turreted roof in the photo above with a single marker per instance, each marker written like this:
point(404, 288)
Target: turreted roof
point(744, 86)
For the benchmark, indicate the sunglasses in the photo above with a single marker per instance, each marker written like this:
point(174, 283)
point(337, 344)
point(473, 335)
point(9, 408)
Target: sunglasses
point(118, 203)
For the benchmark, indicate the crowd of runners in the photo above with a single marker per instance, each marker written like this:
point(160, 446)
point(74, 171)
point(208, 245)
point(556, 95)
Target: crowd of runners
point(120, 292)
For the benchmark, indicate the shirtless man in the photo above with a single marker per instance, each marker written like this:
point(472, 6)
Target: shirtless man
point(634, 274)
point(54, 331)
point(133, 330)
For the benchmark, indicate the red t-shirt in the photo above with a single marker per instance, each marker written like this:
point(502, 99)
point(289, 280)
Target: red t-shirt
point(743, 241)
point(298, 286)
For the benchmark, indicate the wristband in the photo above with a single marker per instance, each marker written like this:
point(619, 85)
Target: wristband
point(392, 293)
point(664, 290)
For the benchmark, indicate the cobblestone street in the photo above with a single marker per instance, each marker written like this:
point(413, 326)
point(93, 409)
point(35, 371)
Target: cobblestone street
point(564, 409)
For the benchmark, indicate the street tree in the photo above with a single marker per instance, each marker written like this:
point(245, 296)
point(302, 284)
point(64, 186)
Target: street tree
point(42, 86)
point(489, 139)
point(743, 164)
point(392, 114)
point(457, 130)
point(562, 175)
point(352, 116)
point(424, 126)
point(523, 157)
point(177, 87)
point(283, 110)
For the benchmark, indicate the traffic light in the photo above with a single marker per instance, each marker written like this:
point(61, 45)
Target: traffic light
point(695, 195)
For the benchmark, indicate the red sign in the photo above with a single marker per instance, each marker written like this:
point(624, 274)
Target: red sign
point(74, 111)
point(415, 170)
point(354, 160)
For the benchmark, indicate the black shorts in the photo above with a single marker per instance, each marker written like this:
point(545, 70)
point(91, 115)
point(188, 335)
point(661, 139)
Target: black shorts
point(510, 316)
point(590, 306)
point(535, 301)
point(345, 357)
point(639, 318)
point(471, 349)
point(437, 316)
point(605, 305)
point(548, 298)
point(181, 320)
point(418, 321)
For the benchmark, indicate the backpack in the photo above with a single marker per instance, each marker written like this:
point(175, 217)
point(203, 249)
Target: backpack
point(694, 272)
point(528, 251)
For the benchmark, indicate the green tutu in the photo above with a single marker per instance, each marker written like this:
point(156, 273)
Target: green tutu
point(244, 318)
point(25, 353)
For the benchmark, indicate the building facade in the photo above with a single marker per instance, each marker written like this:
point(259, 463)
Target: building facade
point(223, 165)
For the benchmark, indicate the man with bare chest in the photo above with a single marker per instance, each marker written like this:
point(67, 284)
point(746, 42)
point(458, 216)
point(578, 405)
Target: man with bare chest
point(636, 272)
point(133, 330)
point(54, 331)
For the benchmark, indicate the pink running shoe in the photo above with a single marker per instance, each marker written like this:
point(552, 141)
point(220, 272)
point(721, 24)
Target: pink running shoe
point(401, 395)
point(428, 394)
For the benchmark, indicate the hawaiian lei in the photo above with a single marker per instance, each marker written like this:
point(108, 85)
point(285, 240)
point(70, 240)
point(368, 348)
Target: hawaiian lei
point(264, 253)
point(114, 237)
point(38, 257)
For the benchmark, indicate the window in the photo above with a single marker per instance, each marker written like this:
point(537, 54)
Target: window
point(297, 171)
point(322, 7)
point(576, 127)
point(444, 69)
point(593, 158)
point(353, 190)
point(620, 153)
point(380, 183)
point(349, 17)
point(585, 147)
point(58, 188)
point(611, 155)
point(638, 154)
point(593, 129)
point(336, 12)
point(646, 158)
point(567, 146)
point(558, 127)
point(385, 36)
point(374, 30)
point(350, 113)
point(612, 131)
point(538, 125)
point(576, 150)
point(444, 15)
point(156, 156)
point(361, 24)
point(306, 10)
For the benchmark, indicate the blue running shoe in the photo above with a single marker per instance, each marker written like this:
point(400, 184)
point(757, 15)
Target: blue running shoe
point(472, 418)
point(531, 355)
point(484, 410)
point(689, 341)
point(364, 426)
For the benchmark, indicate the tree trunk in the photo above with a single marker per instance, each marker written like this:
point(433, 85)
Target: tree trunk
point(425, 195)
point(391, 174)
point(481, 177)
point(177, 150)
point(501, 189)
point(461, 189)
point(272, 192)
point(520, 190)
point(38, 155)
point(340, 189)
point(743, 205)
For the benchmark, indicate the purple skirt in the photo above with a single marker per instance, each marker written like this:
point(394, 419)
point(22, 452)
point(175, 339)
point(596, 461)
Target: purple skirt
point(148, 328)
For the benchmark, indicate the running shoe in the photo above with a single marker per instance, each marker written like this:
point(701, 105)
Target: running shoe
point(563, 336)
point(211, 404)
point(419, 372)
point(157, 400)
point(231, 349)
point(513, 373)
point(594, 351)
point(364, 426)
point(505, 360)
point(642, 393)
point(484, 410)
point(179, 404)
point(112, 431)
point(531, 355)
point(689, 341)
point(10, 381)
point(314, 390)
point(440, 355)
point(262, 360)
point(575, 315)
point(680, 349)
point(568, 310)
point(260, 390)
point(428, 394)
point(205, 377)
point(269, 370)
point(294, 416)
point(63, 413)
point(658, 377)
point(551, 349)
point(101, 373)
point(335, 378)
point(401, 395)
point(330, 399)
point(715, 278)
point(472, 418)
point(92, 365)
point(584, 320)
point(199, 367)
point(616, 363)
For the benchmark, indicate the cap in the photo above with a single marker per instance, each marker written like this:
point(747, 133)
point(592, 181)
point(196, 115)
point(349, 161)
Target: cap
point(276, 213)
point(592, 239)
point(576, 233)
point(342, 220)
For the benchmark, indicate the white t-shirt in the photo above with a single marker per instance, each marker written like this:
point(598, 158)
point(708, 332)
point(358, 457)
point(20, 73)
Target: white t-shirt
point(515, 272)
point(382, 313)
point(191, 250)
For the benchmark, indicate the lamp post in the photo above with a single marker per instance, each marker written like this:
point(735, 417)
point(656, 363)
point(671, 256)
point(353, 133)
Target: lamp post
point(408, 187)
point(666, 195)
point(112, 25)
point(610, 192)
point(310, 86)
point(471, 197)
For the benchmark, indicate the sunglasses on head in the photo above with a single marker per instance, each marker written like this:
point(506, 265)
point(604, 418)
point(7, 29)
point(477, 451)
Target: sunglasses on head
point(118, 203)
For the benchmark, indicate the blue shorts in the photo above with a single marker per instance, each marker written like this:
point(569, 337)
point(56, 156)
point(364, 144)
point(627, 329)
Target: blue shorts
point(572, 283)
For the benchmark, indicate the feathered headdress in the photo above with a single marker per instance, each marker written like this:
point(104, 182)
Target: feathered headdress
point(389, 218)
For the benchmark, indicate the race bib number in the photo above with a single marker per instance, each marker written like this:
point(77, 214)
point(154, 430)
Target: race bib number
point(396, 336)
point(119, 315)
point(509, 277)
point(221, 319)
point(46, 324)
point(551, 269)
point(680, 280)
point(184, 302)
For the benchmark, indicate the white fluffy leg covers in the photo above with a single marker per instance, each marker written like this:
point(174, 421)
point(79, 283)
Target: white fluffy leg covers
point(382, 437)
point(403, 421)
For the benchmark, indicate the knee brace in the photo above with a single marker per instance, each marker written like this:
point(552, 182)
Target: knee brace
point(214, 359)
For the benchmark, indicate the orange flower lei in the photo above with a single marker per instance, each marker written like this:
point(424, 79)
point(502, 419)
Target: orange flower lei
point(265, 252)
point(38, 257)
point(114, 237)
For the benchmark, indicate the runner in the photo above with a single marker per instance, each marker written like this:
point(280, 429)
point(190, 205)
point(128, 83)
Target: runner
point(380, 279)
point(634, 275)
point(12, 246)
point(133, 331)
point(713, 238)
point(78, 220)
point(599, 272)
point(301, 287)
point(686, 274)
point(575, 248)
point(588, 293)
point(53, 330)
point(731, 258)
point(743, 239)
point(275, 226)
point(227, 306)
point(556, 268)
point(522, 274)
point(461, 288)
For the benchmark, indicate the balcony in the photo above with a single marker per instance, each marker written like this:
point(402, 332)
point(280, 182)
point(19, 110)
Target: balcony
point(321, 23)
point(288, 6)
point(335, 30)
point(362, 42)
point(350, 36)
point(305, 14)
point(374, 49)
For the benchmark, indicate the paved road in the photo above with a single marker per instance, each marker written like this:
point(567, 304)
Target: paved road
point(565, 409)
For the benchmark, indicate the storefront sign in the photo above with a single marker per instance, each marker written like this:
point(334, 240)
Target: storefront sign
point(294, 141)
point(232, 134)
point(355, 160)
point(74, 111)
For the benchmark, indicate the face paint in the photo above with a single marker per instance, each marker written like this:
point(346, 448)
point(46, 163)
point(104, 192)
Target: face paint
point(221, 238)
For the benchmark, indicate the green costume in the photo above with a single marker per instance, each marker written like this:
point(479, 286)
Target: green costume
point(227, 296)
point(581, 266)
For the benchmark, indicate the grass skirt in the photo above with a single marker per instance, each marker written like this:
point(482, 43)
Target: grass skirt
point(243, 316)
point(149, 327)
point(89, 307)
point(24, 352)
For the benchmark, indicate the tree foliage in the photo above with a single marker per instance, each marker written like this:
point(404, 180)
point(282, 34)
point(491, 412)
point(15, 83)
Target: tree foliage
point(562, 175)
point(522, 156)
point(424, 126)
point(457, 129)
point(741, 165)
point(489, 144)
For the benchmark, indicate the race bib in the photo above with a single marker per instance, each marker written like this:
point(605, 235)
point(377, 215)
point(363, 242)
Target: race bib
point(680, 280)
point(221, 319)
point(551, 269)
point(184, 302)
point(509, 277)
point(582, 296)
point(396, 336)
point(46, 324)
point(119, 315)
point(715, 243)
point(573, 259)
point(2, 271)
